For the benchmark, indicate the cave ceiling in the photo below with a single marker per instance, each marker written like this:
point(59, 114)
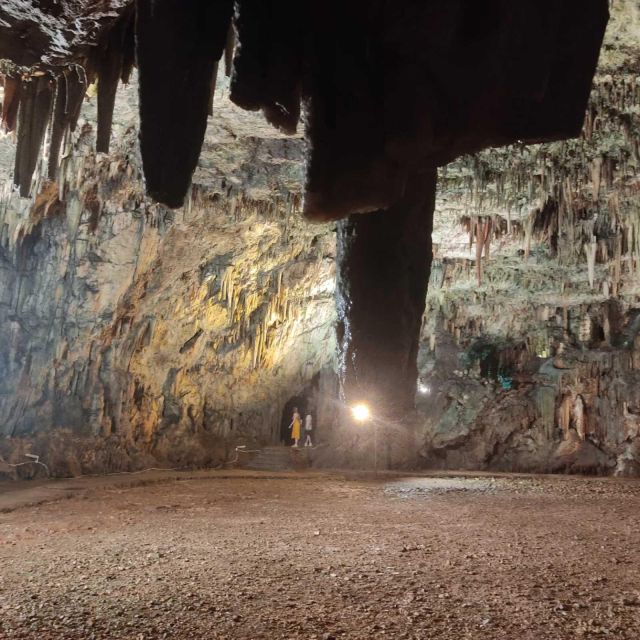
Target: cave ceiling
point(389, 89)
point(52, 33)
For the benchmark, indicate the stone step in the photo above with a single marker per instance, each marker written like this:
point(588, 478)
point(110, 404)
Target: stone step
point(279, 459)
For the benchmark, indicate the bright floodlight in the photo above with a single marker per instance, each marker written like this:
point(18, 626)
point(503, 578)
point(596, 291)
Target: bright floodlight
point(360, 412)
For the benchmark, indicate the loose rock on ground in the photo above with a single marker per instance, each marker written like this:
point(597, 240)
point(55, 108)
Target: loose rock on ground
point(327, 557)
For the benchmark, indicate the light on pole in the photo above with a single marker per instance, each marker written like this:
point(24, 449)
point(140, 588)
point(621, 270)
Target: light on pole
point(361, 413)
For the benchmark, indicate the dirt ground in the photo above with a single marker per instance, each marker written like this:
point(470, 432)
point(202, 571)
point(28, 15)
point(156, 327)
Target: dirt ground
point(327, 557)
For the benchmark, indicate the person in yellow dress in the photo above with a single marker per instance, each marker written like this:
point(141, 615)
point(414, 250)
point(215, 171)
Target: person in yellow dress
point(296, 426)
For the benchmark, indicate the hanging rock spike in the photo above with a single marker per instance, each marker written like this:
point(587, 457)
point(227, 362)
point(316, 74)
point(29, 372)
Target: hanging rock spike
point(57, 126)
point(111, 67)
point(11, 103)
point(177, 43)
point(33, 118)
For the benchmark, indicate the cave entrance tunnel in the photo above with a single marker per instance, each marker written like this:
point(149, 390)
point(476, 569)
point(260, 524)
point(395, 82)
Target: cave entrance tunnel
point(306, 401)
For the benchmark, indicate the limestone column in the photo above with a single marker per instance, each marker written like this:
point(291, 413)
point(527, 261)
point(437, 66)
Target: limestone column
point(383, 264)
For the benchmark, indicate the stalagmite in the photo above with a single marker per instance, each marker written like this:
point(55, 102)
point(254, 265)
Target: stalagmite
point(177, 47)
point(579, 420)
point(383, 270)
point(564, 414)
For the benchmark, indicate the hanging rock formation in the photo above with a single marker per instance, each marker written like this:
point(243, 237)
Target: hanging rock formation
point(177, 47)
point(382, 258)
point(114, 62)
point(71, 89)
point(36, 98)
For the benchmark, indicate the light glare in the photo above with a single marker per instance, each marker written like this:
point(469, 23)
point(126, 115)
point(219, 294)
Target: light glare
point(360, 412)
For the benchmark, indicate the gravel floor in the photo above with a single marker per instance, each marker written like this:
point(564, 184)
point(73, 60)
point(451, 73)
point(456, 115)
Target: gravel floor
point(509, 558)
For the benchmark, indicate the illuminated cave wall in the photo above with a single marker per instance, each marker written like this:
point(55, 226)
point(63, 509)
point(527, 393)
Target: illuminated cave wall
point(133, 335)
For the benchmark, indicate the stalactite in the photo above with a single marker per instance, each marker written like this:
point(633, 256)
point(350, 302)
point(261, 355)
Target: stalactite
point(528, 232)
point(173, 122)
point(631, 244)
point(35, 109)
point(11, 102)
point(109, 68)
point(128, 45)
point(229, 50)
point(487, 238)
point(57, 126)
point(212, 91)
point(265, 74)
point(596, 174)
point(617, 266)
point(566, 328)
point(479, 247)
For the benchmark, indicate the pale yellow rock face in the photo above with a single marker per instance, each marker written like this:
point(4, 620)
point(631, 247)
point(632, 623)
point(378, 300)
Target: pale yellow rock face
point(136, 336)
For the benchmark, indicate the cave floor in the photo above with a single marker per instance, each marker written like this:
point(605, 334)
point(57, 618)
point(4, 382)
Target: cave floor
point(312, 556)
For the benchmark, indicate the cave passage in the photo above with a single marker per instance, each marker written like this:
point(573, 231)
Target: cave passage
point(329, 206)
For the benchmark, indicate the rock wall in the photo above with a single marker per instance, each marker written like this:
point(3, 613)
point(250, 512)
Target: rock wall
point(529, 354)
point(542, 388)
point(136, 336)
